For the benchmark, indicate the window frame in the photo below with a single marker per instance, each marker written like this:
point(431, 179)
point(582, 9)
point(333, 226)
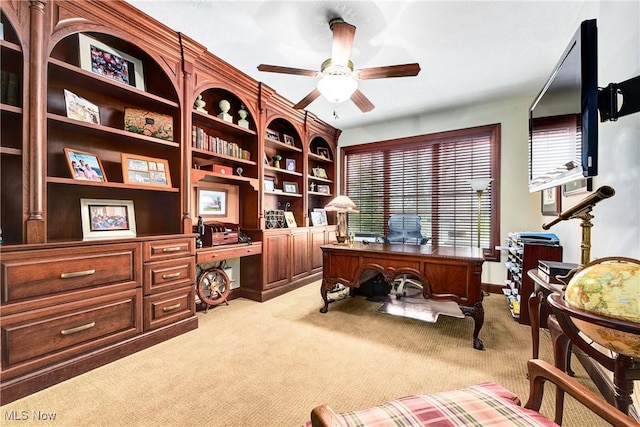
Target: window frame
point(492, 131)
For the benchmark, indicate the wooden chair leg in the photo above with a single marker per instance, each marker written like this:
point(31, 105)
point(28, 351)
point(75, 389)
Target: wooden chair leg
point(561, 354)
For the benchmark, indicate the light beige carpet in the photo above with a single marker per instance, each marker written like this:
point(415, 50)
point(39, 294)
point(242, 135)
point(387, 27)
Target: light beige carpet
point(269, 364)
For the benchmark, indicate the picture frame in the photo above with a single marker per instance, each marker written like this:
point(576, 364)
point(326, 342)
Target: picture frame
point(316, 218)
point(319, 173)
point(78, 108)
point(290, 187)
point(324, 189)
point(211, 202)
point(102, 59)
point(266, 159)
point(288, 139)
point(323, 152)
point(107, 219)
point(576, 187)
point(142, 170)
point(84, 166)
point(269, 183)
point(550, 201)
point(290, 219)
point(272, 134)
point(323, 216)
point(291, 165)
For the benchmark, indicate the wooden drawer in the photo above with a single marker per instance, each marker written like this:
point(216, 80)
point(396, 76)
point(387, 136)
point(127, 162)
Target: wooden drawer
point(164, 275)
point(219, 254)
point(41, 337)
point(169, 307)
point(158, 250)
point(40, 274)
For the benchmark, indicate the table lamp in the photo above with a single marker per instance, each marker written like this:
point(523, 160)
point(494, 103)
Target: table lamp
point(342, 205)
point(479, 185)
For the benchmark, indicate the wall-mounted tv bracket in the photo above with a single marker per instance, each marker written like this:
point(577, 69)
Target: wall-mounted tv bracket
point(608, 99)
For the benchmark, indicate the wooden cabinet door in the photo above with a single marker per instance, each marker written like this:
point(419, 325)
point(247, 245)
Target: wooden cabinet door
point(317, 238)
point(299, 252)
point(276, 248)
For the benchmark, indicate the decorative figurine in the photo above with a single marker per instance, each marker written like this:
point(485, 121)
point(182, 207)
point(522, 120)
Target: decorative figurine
point(276, 160)
point(312, 187)
point(243, 123)
point(225, 106)
point(239, 171)
point(199, 104)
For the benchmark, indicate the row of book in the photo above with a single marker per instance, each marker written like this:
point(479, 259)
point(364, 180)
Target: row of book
point(9, 88)
point(203, 141)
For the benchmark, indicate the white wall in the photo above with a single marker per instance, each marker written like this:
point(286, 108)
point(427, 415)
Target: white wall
point(616, 231)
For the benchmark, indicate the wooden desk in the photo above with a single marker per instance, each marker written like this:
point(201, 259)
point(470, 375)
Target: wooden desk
point(447, 273)
point(539, 310)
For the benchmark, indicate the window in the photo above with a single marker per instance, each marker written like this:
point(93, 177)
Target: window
point(427, 175)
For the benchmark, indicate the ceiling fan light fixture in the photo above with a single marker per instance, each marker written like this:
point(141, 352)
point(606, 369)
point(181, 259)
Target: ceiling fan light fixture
point(337, 88)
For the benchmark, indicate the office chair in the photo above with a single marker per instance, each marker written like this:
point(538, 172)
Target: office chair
point(405, 229)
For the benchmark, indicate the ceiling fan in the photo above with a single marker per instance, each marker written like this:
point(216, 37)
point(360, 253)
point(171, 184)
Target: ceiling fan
point(339, 79)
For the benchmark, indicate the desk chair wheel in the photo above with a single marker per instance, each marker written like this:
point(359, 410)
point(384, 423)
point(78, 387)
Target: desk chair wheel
point(213, 287)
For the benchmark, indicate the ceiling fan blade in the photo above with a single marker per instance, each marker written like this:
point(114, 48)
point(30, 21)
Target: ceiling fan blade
point(287, 70)
point(343, 35)
point(312, 96)
point(361, 101)
point(404, 70)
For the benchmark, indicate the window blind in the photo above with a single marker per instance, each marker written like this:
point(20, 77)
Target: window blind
point(427, 175)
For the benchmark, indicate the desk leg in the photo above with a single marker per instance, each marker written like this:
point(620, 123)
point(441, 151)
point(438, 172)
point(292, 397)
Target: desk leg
point(477, 312)
point(534, 316)
point(324, 290)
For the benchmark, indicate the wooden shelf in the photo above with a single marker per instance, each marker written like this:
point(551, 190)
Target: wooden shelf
point(10, 109)
point(200, 175)
point(70, 181)
point(205, 154)
point(281, 146)
point(318, 158)
point(11, 151)
point(216, 123)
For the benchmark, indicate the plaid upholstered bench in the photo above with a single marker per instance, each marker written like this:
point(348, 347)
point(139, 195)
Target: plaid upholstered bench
point(486, 404)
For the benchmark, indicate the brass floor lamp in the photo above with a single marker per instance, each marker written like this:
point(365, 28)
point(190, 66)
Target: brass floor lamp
point(479, 185)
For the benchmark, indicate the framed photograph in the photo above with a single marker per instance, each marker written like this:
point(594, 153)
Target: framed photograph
point(272, 134)
point(266, 160)
point(577, 187)
point(290, 219)
point(107, 219)
point(290, 187)
point(145, 170)
point(269, 183)
point(324, 189)
point(288, 140)
point(212, 202)
point(80, 109)
point(316, 218)
point(550, 201)
point(319, 173)
point(291, 165)
point(84, 166)
point(99, 58)
point(322, 216)
point(323, 152)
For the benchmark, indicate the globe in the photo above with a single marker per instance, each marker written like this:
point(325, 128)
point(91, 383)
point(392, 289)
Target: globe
point(612, 290)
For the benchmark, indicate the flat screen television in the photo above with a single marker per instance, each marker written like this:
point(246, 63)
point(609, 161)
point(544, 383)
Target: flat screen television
point(563, 118)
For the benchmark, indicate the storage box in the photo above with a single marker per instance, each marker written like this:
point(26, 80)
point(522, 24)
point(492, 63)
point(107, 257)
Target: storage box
point(226, 170)
point(217, 233)
point(148, 123)
point(550, 269)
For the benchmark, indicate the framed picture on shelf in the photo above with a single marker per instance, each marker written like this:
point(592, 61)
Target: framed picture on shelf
point(266, 159)
point(319, 173)
point(551, 201)
point(79, 108)
point(269, 183)
point(290, 187)
point(272, 134)
point(102, 59)
point(323, 152)
point(107, 219)
point(148, 123)
point(577, 187)
point(288, 140)
point(212, 202)
point(145, 170)
point(290, 219)
point(324, 189)
point(291, 165)
point(84, 166)
point(322, 216)
point(316, 218)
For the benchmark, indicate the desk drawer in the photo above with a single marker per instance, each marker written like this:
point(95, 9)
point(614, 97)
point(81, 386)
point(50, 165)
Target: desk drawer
point(220, 254)
point(168, 249)
point(44, 336)
point(169, 307)
point(35, 275)
point(164, 275)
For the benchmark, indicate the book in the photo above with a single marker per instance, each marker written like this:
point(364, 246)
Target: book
point(12, 89)
point(4, 82)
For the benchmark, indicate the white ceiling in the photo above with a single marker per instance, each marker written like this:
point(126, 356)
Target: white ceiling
point(468, 51)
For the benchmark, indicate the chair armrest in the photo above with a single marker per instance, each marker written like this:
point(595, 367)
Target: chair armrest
point(541, 371)
point(324, 416)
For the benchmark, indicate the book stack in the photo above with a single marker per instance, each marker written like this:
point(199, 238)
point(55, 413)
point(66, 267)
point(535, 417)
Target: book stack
point(203, 141)
point(9, 88)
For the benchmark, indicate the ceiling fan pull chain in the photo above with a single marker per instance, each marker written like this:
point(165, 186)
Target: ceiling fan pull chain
point(335, 115)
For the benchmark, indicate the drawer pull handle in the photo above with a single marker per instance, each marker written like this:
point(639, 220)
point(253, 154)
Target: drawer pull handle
point(77, 274)
point(77, 329)
point(171, 276)
point(174, 249)
point(171, 307)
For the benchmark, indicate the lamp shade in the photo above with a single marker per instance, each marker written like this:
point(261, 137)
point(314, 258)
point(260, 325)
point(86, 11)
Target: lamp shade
point(479, 184)
point(337, 88)
point(342, 204)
